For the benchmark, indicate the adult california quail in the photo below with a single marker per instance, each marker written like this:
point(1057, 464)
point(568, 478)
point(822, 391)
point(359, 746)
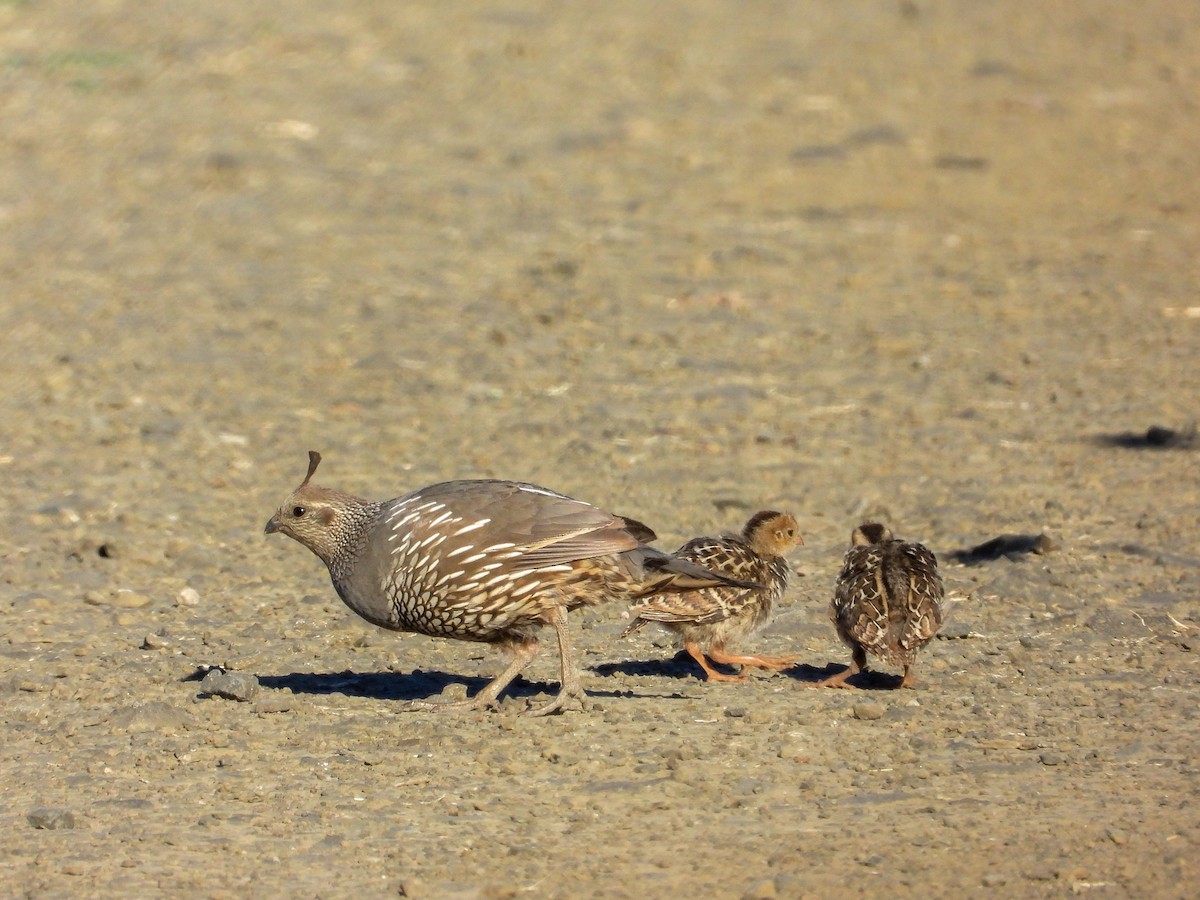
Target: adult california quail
point(717, 616)
point(887, 601)
point(488, 561)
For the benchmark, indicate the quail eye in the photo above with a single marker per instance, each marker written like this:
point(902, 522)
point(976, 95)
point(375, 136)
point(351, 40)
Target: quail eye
point(298, 511)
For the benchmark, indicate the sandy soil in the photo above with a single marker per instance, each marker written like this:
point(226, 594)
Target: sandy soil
point(929, 261)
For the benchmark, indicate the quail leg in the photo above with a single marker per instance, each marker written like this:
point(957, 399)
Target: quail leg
point(717, 654)
point(570, 686)
point(909, 680)
point(523, 654)
point(710, 674)
point(858, 662)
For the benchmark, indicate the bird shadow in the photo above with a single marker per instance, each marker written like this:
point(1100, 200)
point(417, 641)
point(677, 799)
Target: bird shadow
point(1156, 437)
point(869, 680)
point(416, 685)
point(679, 666)
point(1009, 546)
point(682, 666)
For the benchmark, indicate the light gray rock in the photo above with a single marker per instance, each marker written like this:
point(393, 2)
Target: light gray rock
point(230, 685)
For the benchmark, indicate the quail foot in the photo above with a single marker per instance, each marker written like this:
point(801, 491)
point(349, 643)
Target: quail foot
point(489, 561)
point(718, 616)
point(887, 602)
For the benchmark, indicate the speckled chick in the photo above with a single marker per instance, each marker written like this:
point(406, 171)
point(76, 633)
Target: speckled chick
point(716, 617)
point(887, 601)
point(488, 561)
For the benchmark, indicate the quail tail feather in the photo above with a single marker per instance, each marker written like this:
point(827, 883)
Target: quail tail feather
point(664, 572)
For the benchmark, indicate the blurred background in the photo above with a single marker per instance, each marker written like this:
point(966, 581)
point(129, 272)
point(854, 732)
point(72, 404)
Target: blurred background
point(681, 248)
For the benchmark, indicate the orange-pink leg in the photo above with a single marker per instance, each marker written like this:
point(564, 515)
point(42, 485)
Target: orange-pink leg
point(858, 662)
point(718, 655)
point(710, 674)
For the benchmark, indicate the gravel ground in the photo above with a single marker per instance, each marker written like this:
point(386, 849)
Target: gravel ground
point(931, 262)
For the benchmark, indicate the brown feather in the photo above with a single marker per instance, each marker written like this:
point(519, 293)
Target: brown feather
point(888, 599)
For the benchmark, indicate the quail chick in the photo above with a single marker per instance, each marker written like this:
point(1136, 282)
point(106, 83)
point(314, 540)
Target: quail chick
point(887, 601)
point(718, 616)
point(488, 561)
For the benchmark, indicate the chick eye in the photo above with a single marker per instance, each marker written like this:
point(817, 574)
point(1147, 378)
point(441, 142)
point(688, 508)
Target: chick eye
point(298, 511)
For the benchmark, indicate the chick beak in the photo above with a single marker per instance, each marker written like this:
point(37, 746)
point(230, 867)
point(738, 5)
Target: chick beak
point(272, 525)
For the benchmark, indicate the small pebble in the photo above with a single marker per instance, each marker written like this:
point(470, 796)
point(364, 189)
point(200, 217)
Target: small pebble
point(127, 599)
point(274, 703)
point(51, 818)
point(32, 600)
point(414, 888)
point(33, 684)
point(993, 879)
point(189, 596)
point(230, 685)
point(868, 711)
point(953, 631)
point(154, 642)
point(1042, 871)
point(1052, 758)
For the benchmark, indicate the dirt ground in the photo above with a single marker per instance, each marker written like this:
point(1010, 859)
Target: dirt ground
point(931, 262)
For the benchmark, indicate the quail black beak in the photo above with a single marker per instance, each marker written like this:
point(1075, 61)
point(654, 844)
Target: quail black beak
point(272, 525)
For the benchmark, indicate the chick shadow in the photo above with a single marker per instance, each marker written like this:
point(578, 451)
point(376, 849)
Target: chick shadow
point(869, 680)
point(683, 667)
point(680, 667)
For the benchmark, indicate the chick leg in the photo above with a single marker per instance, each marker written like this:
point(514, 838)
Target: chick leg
point(718, 655)
point(710, 674)
point(858, 662)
